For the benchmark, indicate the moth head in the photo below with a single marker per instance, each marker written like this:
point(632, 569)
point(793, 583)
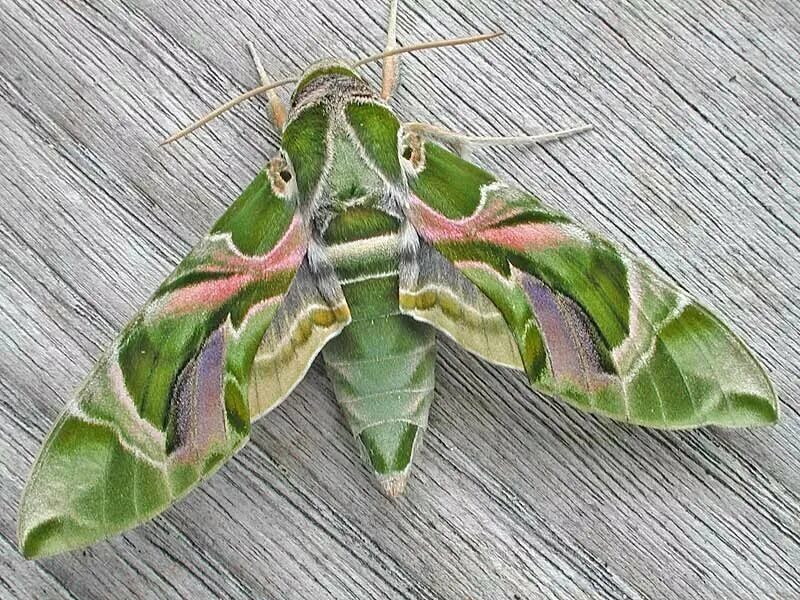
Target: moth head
point(325, 77)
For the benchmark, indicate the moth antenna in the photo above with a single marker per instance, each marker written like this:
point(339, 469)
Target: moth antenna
point(427, 46)
point(391, 65)
point(464, 143)
point(385, 54)
point(226, 107)
point(278, 109)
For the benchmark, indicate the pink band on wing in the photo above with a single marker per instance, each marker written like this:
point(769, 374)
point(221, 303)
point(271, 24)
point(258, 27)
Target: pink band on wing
point(287, 254)
point(241, 271)
point(206, 294)
point(483, 226)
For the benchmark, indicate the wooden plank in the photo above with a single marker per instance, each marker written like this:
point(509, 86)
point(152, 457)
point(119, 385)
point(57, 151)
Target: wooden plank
point(695, 163)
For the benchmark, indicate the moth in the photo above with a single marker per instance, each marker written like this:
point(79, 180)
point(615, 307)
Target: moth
point(362, 239)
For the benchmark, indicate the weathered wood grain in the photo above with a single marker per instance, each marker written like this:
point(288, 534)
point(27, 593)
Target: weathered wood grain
point(695, 163)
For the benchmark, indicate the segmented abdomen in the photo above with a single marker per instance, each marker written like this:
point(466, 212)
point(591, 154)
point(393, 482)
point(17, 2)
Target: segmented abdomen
point(382, 364)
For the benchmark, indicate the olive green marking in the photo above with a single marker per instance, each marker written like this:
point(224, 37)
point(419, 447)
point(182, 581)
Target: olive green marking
point(390, 446)
point(370, 264)
point(349, 176)
point(153, 354)
point(305, 143)
point(744, 410)
point(257, 220)
point(151, 359)
point(593, 276)
point(382, 364)
point(98, 462)
point(376, 128)
point(358, 223)
point(514, 305)
point(449, 184)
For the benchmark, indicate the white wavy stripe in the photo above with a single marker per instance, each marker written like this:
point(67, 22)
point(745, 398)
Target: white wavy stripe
point(263, 356)
point(418, 393)
point(509, 282)
point(313, 202)
point(412, 417)
point(380, 275)
point(486, 189)
point(224, 240)
point(421, 423)
point(236, 332)
point(117, 380)
point(646, 356)
point(362, 151)
point(355, 249)
point(333, 333)
point(469, 308)
point(449, 292)
point(635, 292)
point(571, 230)
point(77, 412)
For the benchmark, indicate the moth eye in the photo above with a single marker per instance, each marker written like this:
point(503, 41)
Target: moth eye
point(407, 153)
point(285, 175)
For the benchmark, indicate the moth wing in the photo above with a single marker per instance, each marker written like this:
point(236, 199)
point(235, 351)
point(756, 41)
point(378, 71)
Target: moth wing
point(590, 324)
point(444, 297)
point(168, 403)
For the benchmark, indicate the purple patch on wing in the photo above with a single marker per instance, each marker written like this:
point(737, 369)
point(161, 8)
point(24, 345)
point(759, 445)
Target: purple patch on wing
point(198, 405)
point(567, 335)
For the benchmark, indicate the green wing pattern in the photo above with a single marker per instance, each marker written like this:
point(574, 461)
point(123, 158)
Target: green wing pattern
point(168, 403)
point(591, 324)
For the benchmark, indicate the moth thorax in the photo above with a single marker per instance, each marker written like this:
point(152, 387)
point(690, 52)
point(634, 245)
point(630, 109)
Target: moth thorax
point(350, 180)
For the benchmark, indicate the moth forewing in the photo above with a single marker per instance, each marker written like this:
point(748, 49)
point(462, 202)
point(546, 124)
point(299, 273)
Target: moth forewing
point(169, 403)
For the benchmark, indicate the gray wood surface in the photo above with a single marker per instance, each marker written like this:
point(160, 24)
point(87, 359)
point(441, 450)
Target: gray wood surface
point(695, 163)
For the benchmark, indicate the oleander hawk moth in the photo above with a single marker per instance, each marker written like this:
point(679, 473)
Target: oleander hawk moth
point(362, 239)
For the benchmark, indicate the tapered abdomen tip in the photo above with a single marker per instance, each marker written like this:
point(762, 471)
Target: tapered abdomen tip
point(390, 451)
point(393, 485)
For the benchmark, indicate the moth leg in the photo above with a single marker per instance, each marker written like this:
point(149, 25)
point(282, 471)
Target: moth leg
point(463, 144)
point(391, 65)
point(278, 109)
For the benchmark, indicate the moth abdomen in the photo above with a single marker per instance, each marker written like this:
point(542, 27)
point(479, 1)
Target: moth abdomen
point(382, 364)
point(383, 371)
